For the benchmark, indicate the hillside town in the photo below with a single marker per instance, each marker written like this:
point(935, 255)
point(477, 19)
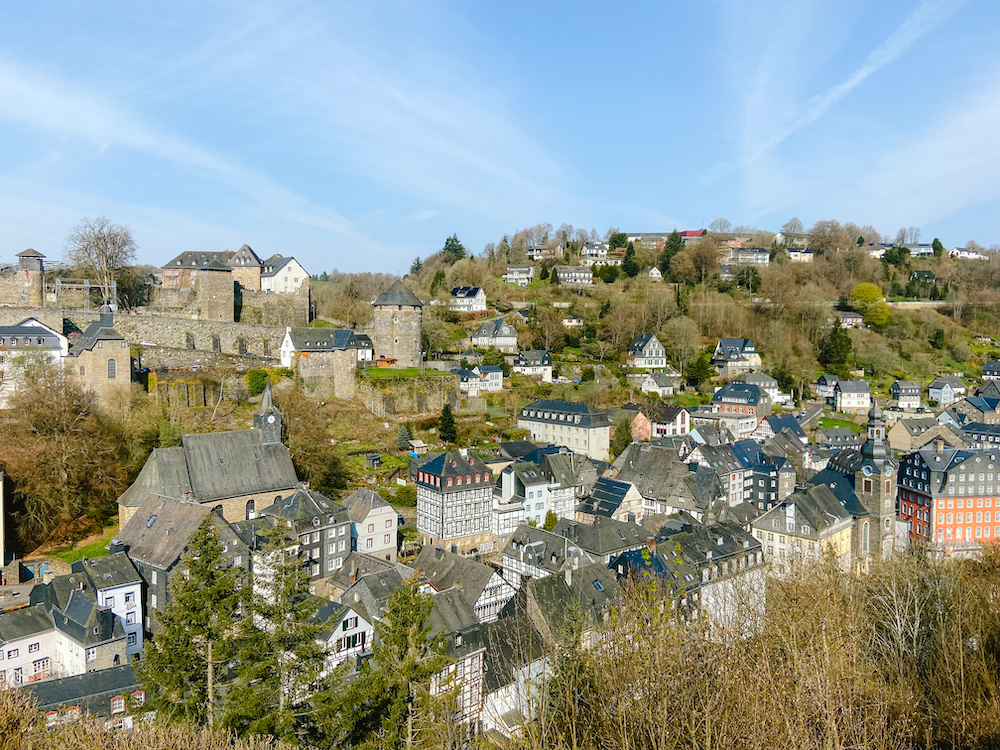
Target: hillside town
point(503, 461)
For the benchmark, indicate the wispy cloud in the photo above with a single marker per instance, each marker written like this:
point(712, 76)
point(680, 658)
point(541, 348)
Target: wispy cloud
point(924, 19)
point(40, 102)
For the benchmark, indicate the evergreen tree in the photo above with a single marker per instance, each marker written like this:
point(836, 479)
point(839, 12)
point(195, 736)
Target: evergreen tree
point(438, 281)
point(938, 248)
point(671, 247)
point(629, 267)
point(403, 437)
point(699, 370)
point(544, 273)
point(375, 708)
point(183, 665)
point(835, 348)
point(554, 277)
point(938, 340)
point(415, 266)
point(453, 250)
point(617, 240)
point(279, 660)
point(446, 426)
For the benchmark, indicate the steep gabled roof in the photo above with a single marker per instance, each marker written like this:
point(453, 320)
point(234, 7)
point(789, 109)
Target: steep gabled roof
point(361, 502)
point(446, 570)
point(158, 532)
point(304, 504)
point(398, 294)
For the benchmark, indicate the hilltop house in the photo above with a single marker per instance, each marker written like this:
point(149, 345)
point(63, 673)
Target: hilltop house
point(663, 383)
point(520, 275)
point(735, 357)
point(468, 299)
point(535, 362)
point(576, 275)
point(946, 390)
point(498, 333)
point(646, 353)
point(660, 420)
point(738, 397)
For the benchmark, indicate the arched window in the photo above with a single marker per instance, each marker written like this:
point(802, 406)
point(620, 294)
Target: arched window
point(864, 537)
point(251, 510)
point(83, 371)
point(112, 369)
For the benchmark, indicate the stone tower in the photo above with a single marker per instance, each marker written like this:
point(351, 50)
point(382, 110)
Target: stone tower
point(267, 419)
point(875, 486)
point(216, 292)
point(397, 326)
point(32, 276)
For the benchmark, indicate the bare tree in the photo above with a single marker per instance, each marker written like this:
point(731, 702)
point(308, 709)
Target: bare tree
point(792, 226)
point(913, 235)
point(720, 225)
point(551, 334)
point(101, 247)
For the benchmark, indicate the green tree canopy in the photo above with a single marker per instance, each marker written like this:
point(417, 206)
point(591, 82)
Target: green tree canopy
point(867, 299)
point(629, 266)
point(494, 357)
point(196, 639)
point(835, 347)
point(453, 250)
point(373, 710)
point(403, 438)
point(700, 370)
point(416, 265)
point(617, 240)
point(671, 247)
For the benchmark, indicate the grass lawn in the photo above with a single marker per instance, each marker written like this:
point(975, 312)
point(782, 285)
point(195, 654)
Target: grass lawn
point(400, 373)
point(827, 423)
point(93, 548)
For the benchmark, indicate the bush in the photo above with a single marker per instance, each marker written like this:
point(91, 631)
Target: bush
point(256, 380)
point(406, 497)
point(588, 374)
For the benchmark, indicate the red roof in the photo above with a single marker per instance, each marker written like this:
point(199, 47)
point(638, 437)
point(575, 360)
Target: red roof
point(691, 233)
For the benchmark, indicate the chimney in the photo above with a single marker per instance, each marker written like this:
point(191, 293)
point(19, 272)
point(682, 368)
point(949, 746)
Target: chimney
point(188, 497)
point(569, 575)
point(938, 444)
point(354, 571)
point(117, 545)
point(438, 553)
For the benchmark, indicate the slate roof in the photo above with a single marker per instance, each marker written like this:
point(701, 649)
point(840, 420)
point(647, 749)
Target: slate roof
point(592, 588)
point(84, 688)
point(664, 379)
point(22, 623)
point(533, 358)
point(640, 342)
point(455, 463)
point(464, 292)
point(452, 612)
point(983, 404)
point(359, 565)
point(493, 328)
point(655, 470)
point(739, 392)
point(245, 257)
point(398, 294)
point(517, 448)
point(107, 571)
point(214, 466)
point(587, 415)
point(199, 260)
point(605, 536)
point(443, 570)
point(906, 388)
point(853, 386)
point(544, 549)
point(732, 349)
point(98, 330)
point(919, 425)
point(761, 379)
point(305, 504)
point(843, 436)
point(815, 506)
point(275, 263)
point(787, 422)
point(373, 591)
point(991, 367)
point(159, 530)
point(85, 622)
point(30, 253)
point(361, 502)
point(511, 643)
point(661, 413)
point(323, 339)
point(842, 486)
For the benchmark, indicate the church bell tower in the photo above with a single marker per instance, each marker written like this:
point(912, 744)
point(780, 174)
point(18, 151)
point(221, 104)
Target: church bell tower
point(267, 419)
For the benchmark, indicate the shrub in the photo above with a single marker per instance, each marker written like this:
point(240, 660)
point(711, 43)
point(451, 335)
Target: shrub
point(256, 380)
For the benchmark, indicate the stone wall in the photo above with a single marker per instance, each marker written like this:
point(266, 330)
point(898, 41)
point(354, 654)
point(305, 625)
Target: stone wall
point(272, 308)
point(396, 332)
point(330, 374)
point(216, 292)
point(20, 288)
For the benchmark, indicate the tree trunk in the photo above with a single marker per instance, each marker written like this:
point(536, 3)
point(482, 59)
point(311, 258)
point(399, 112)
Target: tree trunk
point(211, 688)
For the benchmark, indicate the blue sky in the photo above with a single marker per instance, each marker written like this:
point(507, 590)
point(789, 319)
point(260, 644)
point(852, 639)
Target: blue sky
point(359, 135)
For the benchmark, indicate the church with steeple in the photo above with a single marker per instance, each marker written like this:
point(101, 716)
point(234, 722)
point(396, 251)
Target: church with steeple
point(237, 473)
point(864, 480)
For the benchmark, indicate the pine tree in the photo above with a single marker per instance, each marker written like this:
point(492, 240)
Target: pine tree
point(182, 665)
point(629, 267)
point(403, 437)
point(835, 348)
point(280, 659)
point(543, 274)
point(376, 706)
point(554, 277)
point(671, 247)
point(446, 426)
point(551, 519)
point(415, 266)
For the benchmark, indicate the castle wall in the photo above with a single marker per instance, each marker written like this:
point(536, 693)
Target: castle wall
point(20, 287)
point(329, 374)
point(272, 308)
point(216, 296)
